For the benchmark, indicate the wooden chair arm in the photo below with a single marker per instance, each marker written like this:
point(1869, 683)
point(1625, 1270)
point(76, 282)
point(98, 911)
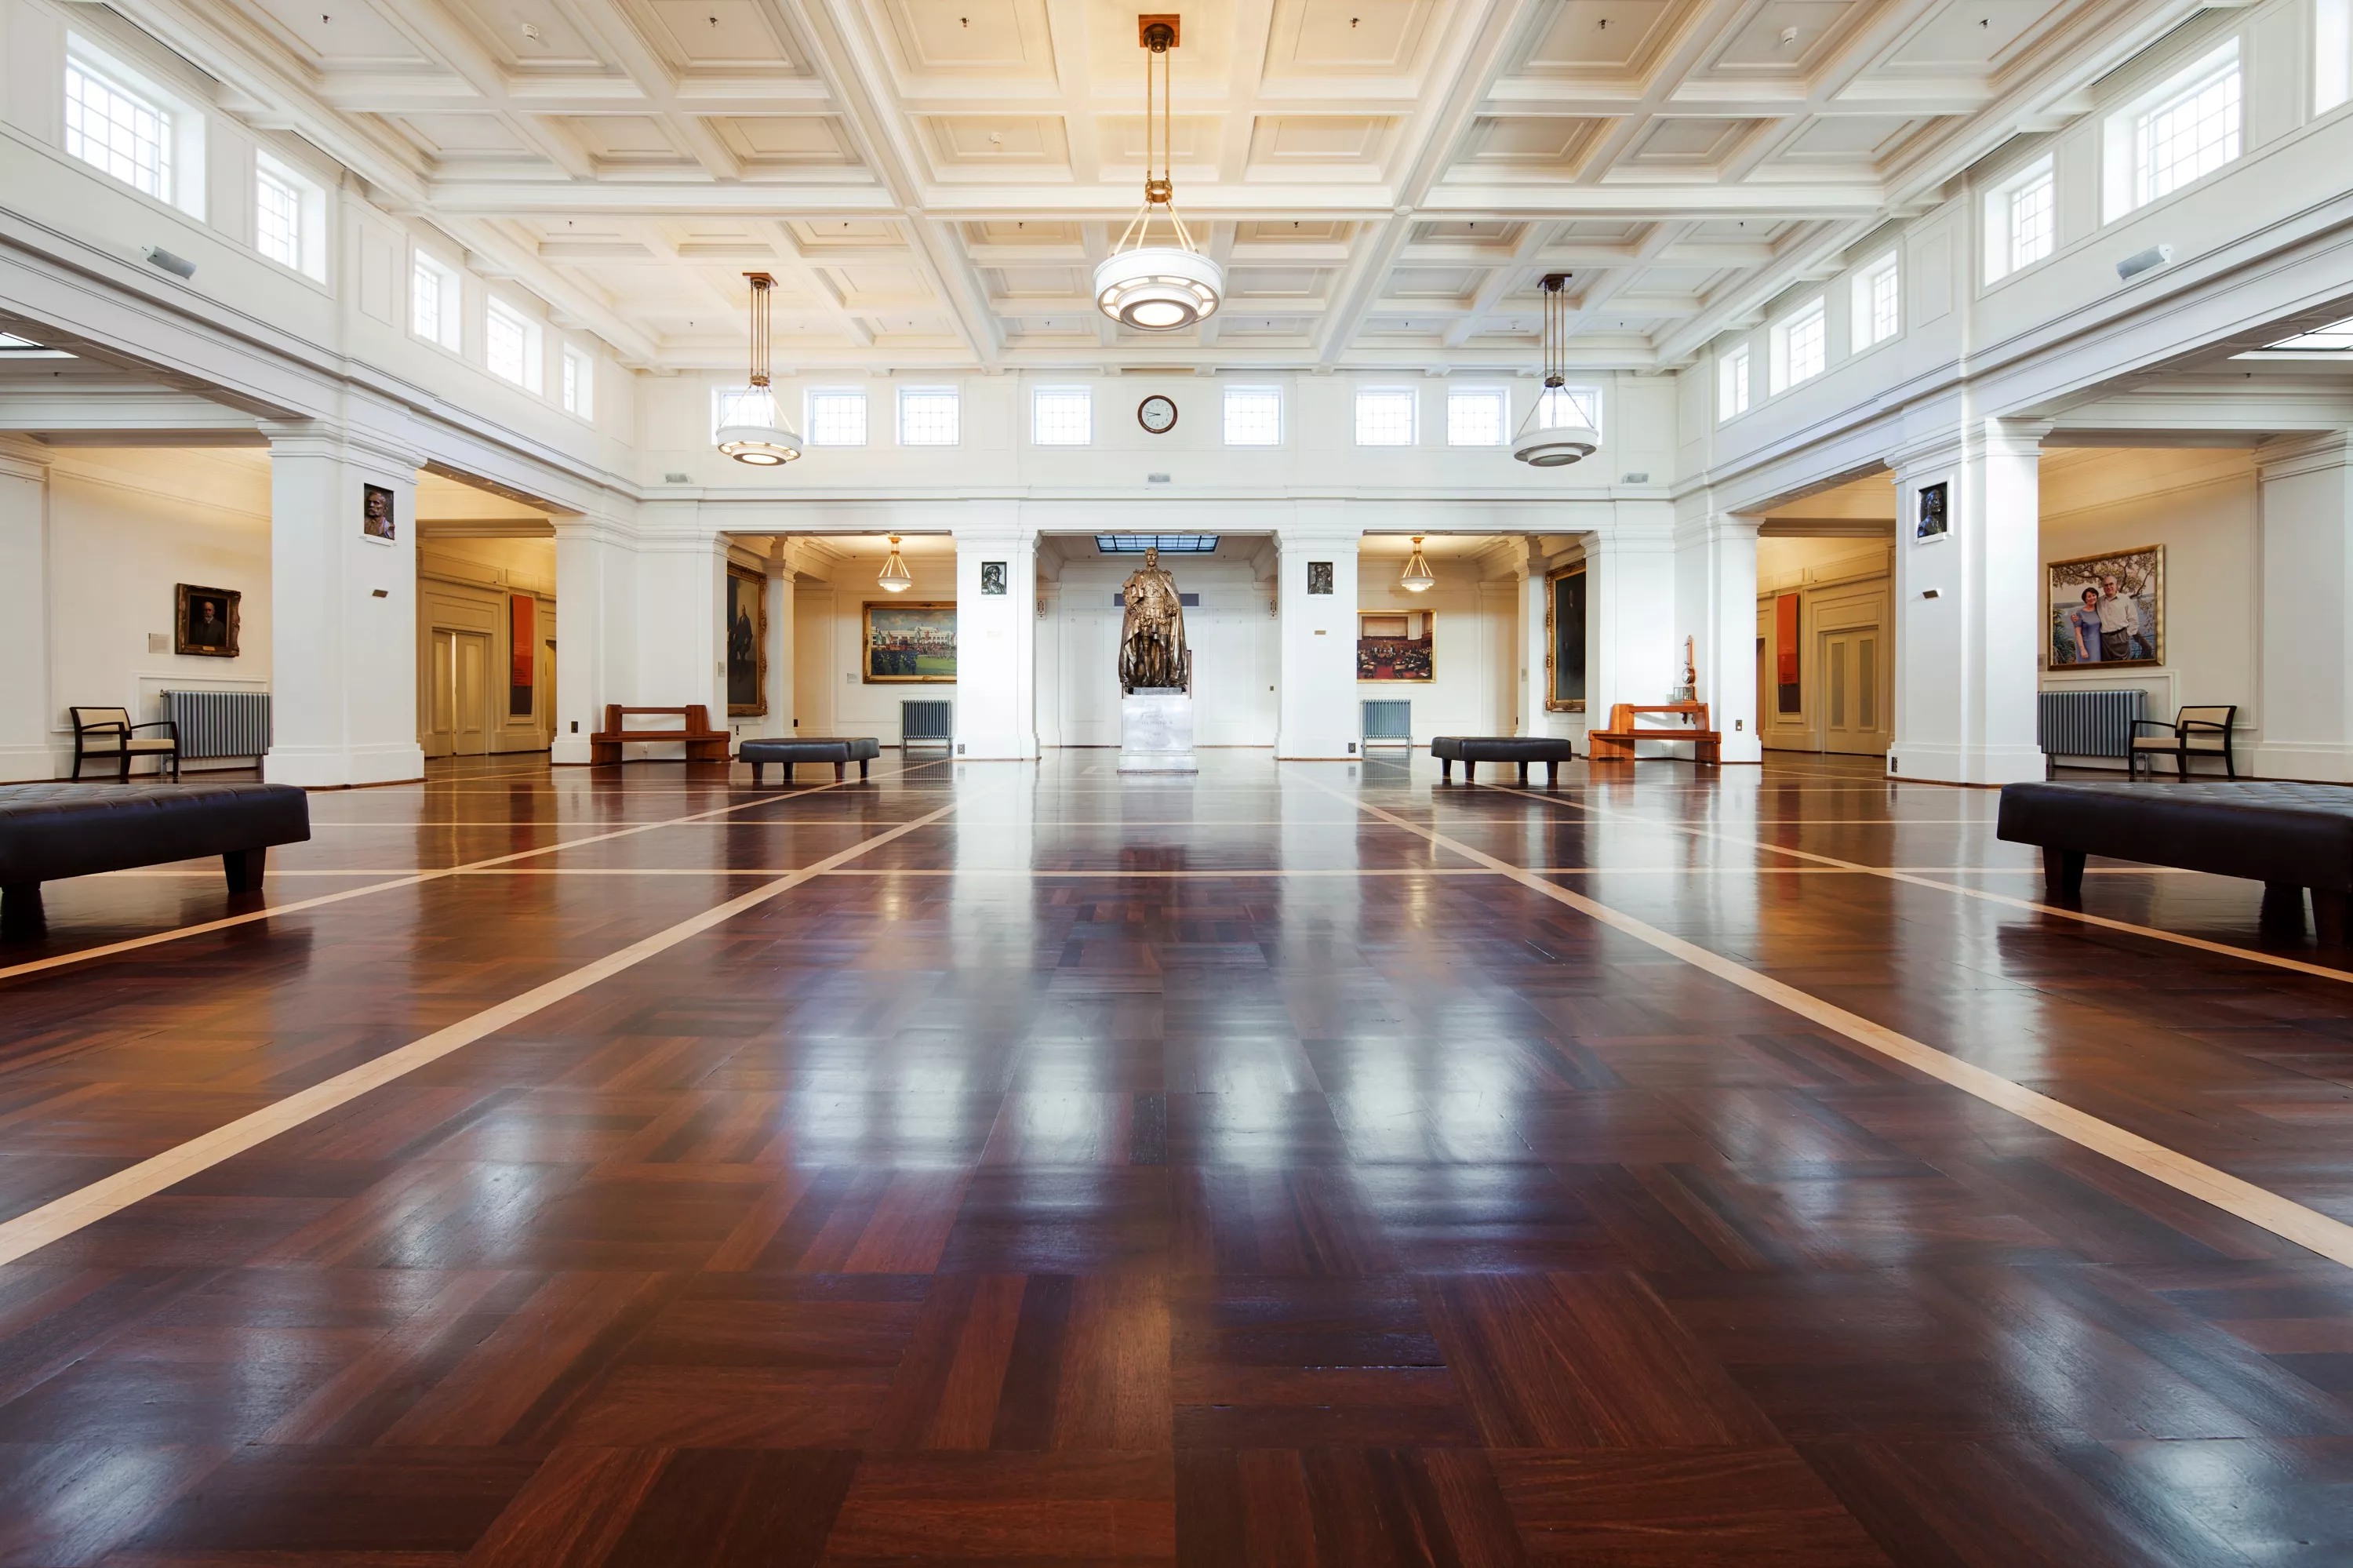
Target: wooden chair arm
point(2165, 725)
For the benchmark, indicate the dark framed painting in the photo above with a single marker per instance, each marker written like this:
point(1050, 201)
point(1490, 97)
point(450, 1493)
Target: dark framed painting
point(1396, 645)
point(205, 622)
point(2108, 610)
point(1565, 639)
point(1319, 576)
point(992, 578)
point(747, 643)
point(1935, 521)
point(376, 519)
point(910, 643)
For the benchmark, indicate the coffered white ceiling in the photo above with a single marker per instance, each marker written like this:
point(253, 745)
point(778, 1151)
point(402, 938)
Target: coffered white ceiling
point(933, 180)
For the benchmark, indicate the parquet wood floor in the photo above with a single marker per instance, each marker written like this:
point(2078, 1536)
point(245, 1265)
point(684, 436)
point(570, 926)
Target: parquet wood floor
point(1035, 1166)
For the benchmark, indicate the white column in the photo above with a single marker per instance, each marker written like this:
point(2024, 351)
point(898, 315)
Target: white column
point(997, 643)
point(1633, 654)
point(1531, 641)
point(1969, 612)
point(2303, 705)
point(681, 616)
point(342, 608)
point(1716, 607)
point(595, 614)
point(779, 721)
point(27, 748)
point(1316, 714)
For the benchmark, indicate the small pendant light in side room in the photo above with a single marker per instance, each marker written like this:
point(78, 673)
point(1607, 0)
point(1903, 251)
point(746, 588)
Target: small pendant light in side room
point(752, 430)
point(895, 577)
point(1555, 434)
point(1416, 578)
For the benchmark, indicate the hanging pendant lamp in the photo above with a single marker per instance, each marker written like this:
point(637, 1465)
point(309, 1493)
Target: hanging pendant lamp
point(755, 432)
point(1555, 433)
point(1157, 288)
point(895, 577)
point(1416, 578)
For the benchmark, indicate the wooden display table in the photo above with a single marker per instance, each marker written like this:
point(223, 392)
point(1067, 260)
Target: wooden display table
point(1616, 744)
point(703, 744)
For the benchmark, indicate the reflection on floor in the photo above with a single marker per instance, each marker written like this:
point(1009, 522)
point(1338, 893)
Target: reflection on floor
point(1293, 1164)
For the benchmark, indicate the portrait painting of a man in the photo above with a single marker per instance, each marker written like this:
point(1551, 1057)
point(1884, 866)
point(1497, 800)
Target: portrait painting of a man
point(205, 622)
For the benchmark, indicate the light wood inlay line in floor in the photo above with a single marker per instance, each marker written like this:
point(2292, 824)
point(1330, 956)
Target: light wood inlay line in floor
point(131, 944)
point(2284, 1217)
point(1914, 877)
point(36, 1228)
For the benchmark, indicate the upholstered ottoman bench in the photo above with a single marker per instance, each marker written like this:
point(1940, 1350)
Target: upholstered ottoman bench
point(1474, 750)
point(53, 830)
point(2287, 836)
point(839, 750)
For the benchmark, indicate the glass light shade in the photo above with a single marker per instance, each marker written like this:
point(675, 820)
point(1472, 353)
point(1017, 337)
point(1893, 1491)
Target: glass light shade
point(1555, 448)
point(1158, 288)
point(895, 577)
point(755, 435)
point(1417, 577)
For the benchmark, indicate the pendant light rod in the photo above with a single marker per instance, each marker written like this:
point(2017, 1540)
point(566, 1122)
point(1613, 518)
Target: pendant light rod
point(762, 283)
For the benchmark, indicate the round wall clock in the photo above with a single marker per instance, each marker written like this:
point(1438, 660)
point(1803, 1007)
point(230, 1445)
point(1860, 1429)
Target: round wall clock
point(1156, 414)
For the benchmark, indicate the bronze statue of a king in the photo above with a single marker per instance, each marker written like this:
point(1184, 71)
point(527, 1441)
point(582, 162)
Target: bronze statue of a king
point(1152, 651)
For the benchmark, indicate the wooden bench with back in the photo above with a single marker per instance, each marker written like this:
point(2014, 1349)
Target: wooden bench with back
point(703, 744)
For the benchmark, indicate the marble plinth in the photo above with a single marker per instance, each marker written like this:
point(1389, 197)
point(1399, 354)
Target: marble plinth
point(1156, 733)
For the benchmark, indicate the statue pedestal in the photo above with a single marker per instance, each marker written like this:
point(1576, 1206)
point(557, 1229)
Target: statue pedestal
point(1156, 732)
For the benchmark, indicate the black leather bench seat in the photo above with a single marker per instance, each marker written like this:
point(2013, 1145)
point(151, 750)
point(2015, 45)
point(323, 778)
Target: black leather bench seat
point(53, 830)
point(2290, 837)
point(1474, 750)
point(760, 751)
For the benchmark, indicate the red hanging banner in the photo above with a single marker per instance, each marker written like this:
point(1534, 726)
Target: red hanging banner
point(525, 648)
point(1784, 638)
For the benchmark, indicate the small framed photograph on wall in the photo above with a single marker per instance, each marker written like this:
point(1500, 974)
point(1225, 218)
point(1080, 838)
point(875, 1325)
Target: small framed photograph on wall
point(1319, 576)
point(1934, 523)
point(376, 519)
point(992, 578)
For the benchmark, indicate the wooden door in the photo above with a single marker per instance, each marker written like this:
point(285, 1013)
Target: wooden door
point(440, 689)
point(1854, 707)
point(470, 693)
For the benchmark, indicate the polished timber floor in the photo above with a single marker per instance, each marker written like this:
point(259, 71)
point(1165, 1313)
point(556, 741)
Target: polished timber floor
point(1035, 1165)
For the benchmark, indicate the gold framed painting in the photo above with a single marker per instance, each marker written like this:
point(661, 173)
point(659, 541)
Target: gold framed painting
point(1396, 645)
point(2106, 611)
point(747, 641)
point(911, 644)
point(1565, 639)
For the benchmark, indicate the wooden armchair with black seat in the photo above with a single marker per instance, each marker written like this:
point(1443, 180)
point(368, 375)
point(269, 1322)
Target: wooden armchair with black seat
point(109, 734)
point(2194, 732)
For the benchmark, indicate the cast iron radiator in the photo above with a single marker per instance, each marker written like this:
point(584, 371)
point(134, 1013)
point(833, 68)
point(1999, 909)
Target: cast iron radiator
point(2087, 724)
point(1389, 720)
point(220, 723)
point(928, 723)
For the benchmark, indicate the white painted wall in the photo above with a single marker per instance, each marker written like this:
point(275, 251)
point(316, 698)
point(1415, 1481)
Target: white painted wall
point(2200, 504)
point(125, 527)
point(1472, 689)
point(1232, 638)
point(831, 695)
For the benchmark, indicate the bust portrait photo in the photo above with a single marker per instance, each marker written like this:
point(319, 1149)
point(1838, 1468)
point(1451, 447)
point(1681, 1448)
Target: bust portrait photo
point(375, 511)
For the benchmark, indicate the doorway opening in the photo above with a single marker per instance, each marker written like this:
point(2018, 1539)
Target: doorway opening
point(1826, 621)
point(485, 620)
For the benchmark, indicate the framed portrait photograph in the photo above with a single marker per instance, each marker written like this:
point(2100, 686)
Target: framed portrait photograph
point(1395, 645)
point(1935, 522)
point(747, 643)
point(1319, 576)
point(376, 519)
point(910, 643)
point(205, 622)
point(2106, 610)
point(992, 578)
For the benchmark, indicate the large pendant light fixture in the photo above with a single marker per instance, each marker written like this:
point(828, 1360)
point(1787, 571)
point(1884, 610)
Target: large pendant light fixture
point(1416, 578)
point(1555, 433)
point(753, 432)
point(1157, 288)
point(895, 577)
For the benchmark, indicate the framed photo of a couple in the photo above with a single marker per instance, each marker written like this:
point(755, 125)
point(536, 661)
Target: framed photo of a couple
point(2108, 610)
